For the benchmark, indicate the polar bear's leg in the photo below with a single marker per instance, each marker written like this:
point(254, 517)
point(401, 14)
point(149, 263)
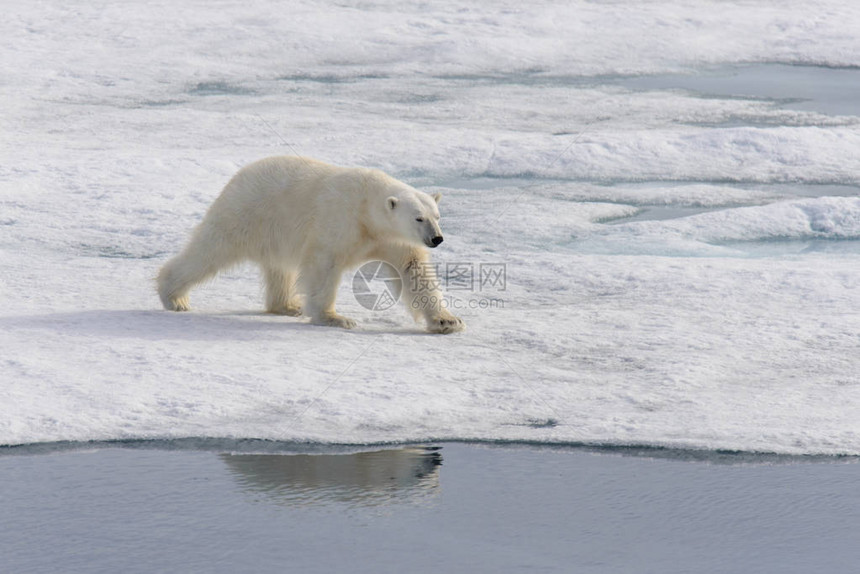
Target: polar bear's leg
point(281, 295)
point(172, 287)
point(320, 278)
point(422, 293)
point(199, 261)
point(178, 277)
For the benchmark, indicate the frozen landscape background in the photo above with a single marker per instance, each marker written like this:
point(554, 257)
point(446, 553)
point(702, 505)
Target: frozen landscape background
point(672, 188)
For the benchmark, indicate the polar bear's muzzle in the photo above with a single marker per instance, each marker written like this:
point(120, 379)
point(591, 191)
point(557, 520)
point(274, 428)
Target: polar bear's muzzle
point(431, 232)
point(434, 241)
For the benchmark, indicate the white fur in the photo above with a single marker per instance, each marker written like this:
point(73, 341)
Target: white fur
point(305, 222)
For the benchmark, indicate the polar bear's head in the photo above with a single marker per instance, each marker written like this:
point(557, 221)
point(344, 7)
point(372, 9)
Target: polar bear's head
point(414, 215)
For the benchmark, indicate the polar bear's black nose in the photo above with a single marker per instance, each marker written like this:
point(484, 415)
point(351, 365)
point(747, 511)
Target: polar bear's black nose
point(437, 240)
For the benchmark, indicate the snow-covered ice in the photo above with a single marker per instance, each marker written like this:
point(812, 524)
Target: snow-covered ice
point(681, 266)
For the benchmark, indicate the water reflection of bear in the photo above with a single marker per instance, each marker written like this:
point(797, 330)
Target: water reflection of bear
point(363, 479)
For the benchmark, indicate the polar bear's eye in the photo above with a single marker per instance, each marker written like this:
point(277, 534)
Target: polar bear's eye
point(420, 220)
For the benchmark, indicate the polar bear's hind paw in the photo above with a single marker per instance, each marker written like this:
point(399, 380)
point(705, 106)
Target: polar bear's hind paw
point(178, 304)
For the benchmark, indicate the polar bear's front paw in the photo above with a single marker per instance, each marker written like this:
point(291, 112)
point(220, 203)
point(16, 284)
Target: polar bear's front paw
point(289, 310)
point(336, 321)
point(445, 324)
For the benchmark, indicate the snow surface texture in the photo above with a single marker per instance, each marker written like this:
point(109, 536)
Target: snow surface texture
point(681, 268)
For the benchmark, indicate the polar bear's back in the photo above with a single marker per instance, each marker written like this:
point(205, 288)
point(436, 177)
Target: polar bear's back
point(270, 182)
point(274, 207)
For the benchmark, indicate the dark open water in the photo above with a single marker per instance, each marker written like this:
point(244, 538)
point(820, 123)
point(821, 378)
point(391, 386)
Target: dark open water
point(153, 507)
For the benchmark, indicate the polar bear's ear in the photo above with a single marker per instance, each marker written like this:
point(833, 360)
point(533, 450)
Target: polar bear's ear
point(391, 202)
point(437, 197)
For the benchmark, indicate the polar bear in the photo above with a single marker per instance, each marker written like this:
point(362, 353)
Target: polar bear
point(305, 222)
